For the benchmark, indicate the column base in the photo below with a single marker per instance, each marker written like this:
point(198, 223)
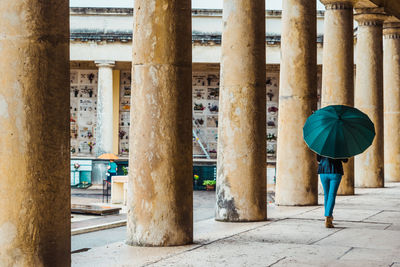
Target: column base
point(367, 186)
point(346, 194)
point(137, 244)
point(296, 205)
point(241, 220)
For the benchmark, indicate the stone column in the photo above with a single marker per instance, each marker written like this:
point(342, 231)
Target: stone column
point(34, 134)
point(368, 95)
point(391, 70)
point(160, 188)
point(338, 68)
point(241, 178)
point(104, 130)
point(297, 180)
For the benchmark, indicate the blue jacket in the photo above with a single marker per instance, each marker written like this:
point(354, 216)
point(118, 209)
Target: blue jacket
point(330, 166)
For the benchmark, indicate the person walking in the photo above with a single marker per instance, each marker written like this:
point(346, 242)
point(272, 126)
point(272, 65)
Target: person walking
point(111, 170)
point(330, 171)
point(336, 133)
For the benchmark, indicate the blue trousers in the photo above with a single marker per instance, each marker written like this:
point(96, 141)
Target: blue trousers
point(330, 183)
point(109, 175)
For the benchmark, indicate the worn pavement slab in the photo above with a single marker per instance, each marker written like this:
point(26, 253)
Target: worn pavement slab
point(367, 233)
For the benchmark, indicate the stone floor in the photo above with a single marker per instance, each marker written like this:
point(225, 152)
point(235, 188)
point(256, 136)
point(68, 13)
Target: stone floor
point(203, 209)
point(86, 196)
point(367, 233)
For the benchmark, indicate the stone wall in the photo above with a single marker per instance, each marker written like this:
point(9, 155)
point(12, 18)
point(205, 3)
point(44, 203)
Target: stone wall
point(83, 109)
point(205, 88)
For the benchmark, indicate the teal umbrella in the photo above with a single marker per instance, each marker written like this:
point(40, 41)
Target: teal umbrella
point(338, 132)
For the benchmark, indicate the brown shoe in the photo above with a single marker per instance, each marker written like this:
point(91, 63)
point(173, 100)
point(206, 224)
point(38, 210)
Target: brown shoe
point(328, 222)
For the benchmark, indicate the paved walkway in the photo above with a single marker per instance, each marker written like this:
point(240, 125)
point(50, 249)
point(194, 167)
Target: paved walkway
point(367, 233)
point(85, 228)
point(86, 196)
point(203, 204)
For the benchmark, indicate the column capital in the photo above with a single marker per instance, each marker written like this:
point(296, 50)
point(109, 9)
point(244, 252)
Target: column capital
point(105, 63)
point(337, 4)
point(391, 29)
point(370, 16)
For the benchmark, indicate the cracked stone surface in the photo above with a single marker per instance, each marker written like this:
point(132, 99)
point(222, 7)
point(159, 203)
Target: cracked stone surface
point(241, 133)
point(368, 96)
point(160, 196)
point(367, 233)
point(34, 133)
point(297, 100)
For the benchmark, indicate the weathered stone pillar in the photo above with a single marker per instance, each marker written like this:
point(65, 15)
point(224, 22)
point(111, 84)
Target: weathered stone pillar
point(34, 133)
point(160, 189)
point(338, 68)
point(368, 95)
point(297, 180)
point(104, 131)
point(241, 184)
point(391, 70)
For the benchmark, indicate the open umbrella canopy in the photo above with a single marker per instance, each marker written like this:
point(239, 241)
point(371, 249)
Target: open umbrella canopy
point(108, 156)
point(338, 132)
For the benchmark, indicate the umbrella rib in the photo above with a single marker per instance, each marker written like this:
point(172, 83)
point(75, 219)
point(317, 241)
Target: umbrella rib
point(354, 138)
point(325, 113)
point(318, 119)
point(361, 124)
point(361, 133)
point(322, 131)
point(340, 133)
point(324, 128)
point(330, 133)
point(316, 139)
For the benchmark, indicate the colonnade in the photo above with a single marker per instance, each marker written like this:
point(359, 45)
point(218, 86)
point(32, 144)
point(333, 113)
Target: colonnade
point(374, 91)
point(35, 221)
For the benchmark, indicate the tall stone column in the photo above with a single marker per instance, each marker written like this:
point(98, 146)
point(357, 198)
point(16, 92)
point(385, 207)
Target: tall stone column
point(368, 95)
point(338, 68)
point(297, 180)
point(104, 131)
point(391, 70)
point(160, 188)
point(34, 134)
point(241, 181)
